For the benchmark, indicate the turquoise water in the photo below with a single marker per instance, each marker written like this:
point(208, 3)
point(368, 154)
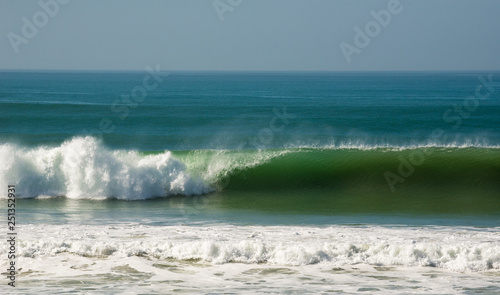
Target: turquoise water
point(252, 182)
point(228, 110)
point(410, 148)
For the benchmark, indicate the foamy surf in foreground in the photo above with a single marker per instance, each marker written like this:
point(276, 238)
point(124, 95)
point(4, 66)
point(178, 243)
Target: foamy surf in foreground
point(457, 249)
point(82, 168)
point(225, 258)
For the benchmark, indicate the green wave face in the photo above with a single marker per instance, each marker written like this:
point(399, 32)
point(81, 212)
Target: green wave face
point(431, 179)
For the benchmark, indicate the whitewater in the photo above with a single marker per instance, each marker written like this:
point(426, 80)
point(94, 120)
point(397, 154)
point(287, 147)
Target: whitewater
point(227, 258)
point(84, 168)
point(206, 186)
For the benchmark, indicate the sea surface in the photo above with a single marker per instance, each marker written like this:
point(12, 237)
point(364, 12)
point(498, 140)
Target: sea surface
point(242, 182)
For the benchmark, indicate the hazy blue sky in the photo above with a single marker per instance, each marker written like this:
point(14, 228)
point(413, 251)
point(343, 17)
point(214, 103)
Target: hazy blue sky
point(255, 35)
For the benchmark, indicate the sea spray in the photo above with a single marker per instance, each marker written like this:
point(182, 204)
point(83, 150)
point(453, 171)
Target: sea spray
point(82, 168)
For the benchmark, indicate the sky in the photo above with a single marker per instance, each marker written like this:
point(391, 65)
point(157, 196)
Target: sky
point(251, 35)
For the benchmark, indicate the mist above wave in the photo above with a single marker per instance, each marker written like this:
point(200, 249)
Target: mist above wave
point(82, 168)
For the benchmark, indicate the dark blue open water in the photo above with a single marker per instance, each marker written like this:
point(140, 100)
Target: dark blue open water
point(319, 148)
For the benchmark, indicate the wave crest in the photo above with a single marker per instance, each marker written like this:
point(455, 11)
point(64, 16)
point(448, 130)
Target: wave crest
point(82, 168)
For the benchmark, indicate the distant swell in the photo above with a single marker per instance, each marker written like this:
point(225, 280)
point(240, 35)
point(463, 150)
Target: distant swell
point(84, 168)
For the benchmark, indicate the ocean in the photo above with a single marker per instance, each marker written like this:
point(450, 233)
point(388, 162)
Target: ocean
point(154, 182)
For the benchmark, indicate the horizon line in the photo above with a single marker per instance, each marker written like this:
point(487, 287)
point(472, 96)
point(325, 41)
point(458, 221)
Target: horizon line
point(252, 71)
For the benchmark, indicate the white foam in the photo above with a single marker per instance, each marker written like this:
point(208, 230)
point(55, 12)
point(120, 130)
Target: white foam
point(84, 168)
point(361, 144)
point(247, 259)
point(461, 250)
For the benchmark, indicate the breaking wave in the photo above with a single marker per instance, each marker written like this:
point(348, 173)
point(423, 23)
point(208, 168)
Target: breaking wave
point(82, 168)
